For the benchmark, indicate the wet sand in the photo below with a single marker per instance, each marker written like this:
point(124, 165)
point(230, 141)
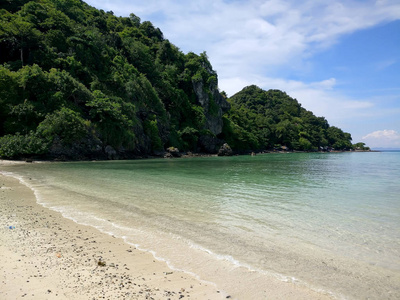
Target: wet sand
point(46, 256)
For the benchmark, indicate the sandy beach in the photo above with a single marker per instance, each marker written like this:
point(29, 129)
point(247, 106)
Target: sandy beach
point(46, 256)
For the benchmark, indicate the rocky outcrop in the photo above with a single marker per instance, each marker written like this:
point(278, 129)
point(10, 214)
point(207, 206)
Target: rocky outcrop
point(214, 106)
point(225, 150)
point(213, 103)
point(110, 152)
point(173, 152)
point(89, 147)
point(209, 144)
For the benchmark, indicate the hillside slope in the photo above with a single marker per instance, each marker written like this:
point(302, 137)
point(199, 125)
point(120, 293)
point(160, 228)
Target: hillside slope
point(261, 119)
point(80, 83)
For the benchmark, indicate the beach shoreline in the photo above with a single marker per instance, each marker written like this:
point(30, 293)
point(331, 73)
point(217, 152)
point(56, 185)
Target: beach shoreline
point(49, 256)
point(46, 256)
point(163, 155)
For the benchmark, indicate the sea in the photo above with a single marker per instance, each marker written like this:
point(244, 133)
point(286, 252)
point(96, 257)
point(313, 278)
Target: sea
point(329, 222)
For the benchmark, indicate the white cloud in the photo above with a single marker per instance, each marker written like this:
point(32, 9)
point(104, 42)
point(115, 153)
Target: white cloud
point(383, 138)
point(386, 134)
point(274, 25)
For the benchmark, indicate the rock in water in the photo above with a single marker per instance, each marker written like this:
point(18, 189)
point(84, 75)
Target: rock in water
point(174, 152)
point(225, 150)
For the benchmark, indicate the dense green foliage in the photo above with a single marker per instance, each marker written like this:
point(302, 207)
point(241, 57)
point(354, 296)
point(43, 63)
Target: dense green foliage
point(116, 80)
point(75, 80)
point(361, 147)
point(261, 119)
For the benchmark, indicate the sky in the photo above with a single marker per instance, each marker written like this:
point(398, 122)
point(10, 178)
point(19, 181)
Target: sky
point(339, 59)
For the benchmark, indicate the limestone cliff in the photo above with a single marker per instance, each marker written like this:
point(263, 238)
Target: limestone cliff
point(213, 103)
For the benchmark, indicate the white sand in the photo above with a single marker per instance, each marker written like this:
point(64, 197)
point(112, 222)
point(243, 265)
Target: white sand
point(49, 257)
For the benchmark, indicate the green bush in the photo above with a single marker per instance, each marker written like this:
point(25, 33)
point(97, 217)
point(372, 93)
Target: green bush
point(189, 136)
point(151, 130)
point(17, 146)
point(66, 124)
point(113, 119)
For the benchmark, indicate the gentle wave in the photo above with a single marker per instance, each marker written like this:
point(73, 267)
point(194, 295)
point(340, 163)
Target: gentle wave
point(107, 227)
point(325, 221)
point(102, 228)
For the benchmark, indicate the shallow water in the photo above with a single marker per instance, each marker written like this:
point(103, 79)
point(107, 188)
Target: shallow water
point(328, 221)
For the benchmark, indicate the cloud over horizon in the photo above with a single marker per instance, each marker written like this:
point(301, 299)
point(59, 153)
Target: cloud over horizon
point(383, 138)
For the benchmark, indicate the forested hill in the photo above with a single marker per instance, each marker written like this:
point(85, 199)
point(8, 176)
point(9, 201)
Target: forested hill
point(265, 119)
point(79, 83)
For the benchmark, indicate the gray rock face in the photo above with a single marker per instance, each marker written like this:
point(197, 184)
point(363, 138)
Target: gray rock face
point(174, 152)
point(213, 103)
point(225, 150)
point(209, 144)
point(110, 152)
point(87, 148)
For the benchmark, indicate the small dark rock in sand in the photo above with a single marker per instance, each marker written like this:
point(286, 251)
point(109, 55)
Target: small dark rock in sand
point(101, 263)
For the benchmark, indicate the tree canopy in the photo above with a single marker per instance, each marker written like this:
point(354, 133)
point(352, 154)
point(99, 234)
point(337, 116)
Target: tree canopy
point(271, 119)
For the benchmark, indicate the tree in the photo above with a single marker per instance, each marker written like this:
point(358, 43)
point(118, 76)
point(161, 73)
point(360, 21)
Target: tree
point(338, 139)
point(19, 36)
point(113, 118)
point(65, 124)
point(361, 146)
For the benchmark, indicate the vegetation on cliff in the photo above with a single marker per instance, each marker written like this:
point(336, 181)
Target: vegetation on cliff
point(77, 82)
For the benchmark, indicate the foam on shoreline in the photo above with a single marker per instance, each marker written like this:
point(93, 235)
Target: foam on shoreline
point(290, 288)
point(47, 254)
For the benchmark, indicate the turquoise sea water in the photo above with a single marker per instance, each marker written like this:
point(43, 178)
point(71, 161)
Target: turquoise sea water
point(327, 221)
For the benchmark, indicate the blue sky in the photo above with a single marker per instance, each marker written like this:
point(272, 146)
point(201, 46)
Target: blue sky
point(339, 59)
